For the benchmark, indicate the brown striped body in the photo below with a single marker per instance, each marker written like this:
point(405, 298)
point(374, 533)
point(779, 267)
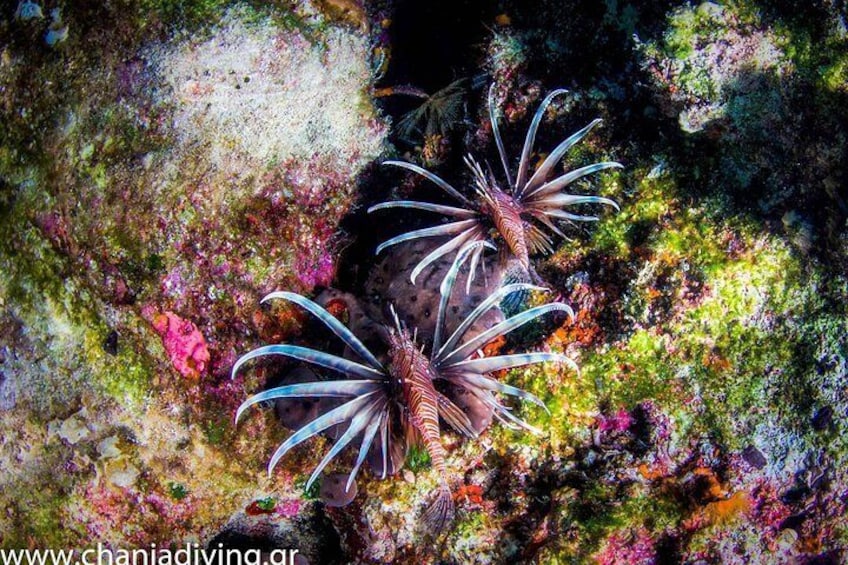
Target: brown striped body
point(414, 375)
point(506, 215)
point(413, 372)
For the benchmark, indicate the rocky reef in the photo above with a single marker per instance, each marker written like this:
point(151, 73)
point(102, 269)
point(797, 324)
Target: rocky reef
point(164, 165)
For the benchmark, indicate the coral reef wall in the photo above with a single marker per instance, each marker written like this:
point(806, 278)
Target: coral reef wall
point(164, 165)
point(156, 182)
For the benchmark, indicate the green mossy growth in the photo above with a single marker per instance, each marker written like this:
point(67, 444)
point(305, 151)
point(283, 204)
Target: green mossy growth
point(267, 504)
point(619, 234)
point(217, 431)
point(465, 535)
point(417, 459)
point(312, 493)
point(62, 315)
point(42, 521)
point(177, 491)
point(636, 370)
point(570, 397)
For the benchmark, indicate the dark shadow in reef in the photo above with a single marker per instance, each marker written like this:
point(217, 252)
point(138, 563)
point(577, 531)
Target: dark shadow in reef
point(434, 43)
point(777, 156)
point(431, 45)
point(244, 537)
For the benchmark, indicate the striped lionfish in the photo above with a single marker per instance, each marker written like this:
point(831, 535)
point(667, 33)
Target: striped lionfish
point(402, 397)
point(515, 215)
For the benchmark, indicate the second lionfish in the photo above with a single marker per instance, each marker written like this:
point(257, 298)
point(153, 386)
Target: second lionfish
point(515, 216)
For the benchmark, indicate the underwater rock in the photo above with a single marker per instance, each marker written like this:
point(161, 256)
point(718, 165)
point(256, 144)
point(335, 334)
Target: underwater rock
point(108, 448)
point(192, 162)
point(57, 32)
point(754, 457)
point(416, 304)
point(73, 429)
point(332, 491)
point(711, 56)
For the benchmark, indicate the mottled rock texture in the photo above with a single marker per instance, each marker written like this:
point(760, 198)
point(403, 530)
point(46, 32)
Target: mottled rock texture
point(160, 173)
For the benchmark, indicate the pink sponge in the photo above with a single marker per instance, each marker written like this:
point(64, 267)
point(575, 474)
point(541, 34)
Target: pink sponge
point(184, 343)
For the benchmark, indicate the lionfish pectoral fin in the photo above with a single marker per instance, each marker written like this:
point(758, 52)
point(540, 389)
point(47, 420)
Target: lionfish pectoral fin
point(441, 511)
point(412, 437)
point(453, 415)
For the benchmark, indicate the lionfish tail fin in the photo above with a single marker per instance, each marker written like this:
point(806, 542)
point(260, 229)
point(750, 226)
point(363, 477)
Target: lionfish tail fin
point(440, 513)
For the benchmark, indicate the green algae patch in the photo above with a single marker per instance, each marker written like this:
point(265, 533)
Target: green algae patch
point(643, 208)
point(728, 341)
point(177, 491)
point(199, 17)
point(474, 539)
point(417, 459)
point(42, 518)
point(127, 376)
point(636, 370)
point(718, 348)
point(570, 398)
point(594, 515)
point(62, 316)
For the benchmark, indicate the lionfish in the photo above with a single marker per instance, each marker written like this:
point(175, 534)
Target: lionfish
point(515, 215)
point(402, 397)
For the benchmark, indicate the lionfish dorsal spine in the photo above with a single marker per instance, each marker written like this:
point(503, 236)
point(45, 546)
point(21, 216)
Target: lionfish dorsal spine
point(496, 132)
point(530, 140)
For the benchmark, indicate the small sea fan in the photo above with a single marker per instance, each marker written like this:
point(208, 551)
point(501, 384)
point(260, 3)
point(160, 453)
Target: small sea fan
point(438, 114)
point(402, 398)
point(518, 215)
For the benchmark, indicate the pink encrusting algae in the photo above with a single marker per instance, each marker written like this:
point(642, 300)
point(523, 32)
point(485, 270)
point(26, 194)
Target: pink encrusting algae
point(315, 271)
point(618, 422)
point(112, 513)
point(184, 344)
point(635, 547)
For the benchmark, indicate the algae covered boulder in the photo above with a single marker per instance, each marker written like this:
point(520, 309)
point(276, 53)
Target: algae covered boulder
point(160, 170)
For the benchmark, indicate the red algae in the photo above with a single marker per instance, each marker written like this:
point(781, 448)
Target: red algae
point(259, 507)
point(471, 495)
